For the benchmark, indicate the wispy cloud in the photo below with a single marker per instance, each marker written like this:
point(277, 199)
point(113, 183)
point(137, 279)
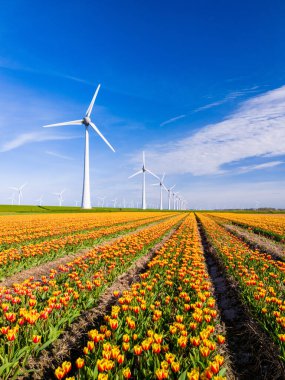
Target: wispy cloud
point(266, 165)
point(12, 65)
point(256, 129)
point(58, 155)
point(229, 97)
point(172, 120)
point(31, 137)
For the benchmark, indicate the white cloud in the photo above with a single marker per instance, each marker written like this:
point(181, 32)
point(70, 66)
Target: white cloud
point(256, 129)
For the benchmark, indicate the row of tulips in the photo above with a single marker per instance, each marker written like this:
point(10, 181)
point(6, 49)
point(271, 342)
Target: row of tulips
point(270, 225)
point(14, 260)
point(261, 279)
point(164, 327)
point(18, 229)
point(34, 313)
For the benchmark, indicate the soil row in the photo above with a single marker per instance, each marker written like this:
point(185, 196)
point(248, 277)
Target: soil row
point(252, 353)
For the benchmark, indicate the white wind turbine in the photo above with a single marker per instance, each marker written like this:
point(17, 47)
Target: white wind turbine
point(162, 186)
point(59, 197)
point(102, 201)
point(114, 202)
point(40, 201)
point(143, 171)
point(169, 195)
point(86, 122)
point(12, 198)
point(175, 201)
point(19, 191)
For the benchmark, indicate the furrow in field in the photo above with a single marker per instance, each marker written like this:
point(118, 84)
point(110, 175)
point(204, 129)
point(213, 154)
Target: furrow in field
point(250, 292)
point(257, 242)
point(269, 225)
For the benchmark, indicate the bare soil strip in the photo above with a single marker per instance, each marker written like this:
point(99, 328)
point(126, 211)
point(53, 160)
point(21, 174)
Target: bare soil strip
point(254, 241)
point(70, 345)
point(44, 269)
point(253, 355)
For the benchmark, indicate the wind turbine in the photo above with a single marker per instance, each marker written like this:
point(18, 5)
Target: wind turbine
point(175, 201)
point(77, 203)
point(20, 192)
point(114, 202)
point(39, 201)
point(59, 196)
point(12, 198)
point(103, 200)
point(143, 171)
point(169, 195)
point(162, 186)
point(86, 122)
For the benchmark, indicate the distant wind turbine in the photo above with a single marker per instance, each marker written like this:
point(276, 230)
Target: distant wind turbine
point(86, 122)
point(19, 191)
point(143, 171)
point(114, 202)
point(103, 200)
point(40, 201)
point(59, 197)
point(77, 203)
point(162, 186)
point(169, 195)
point(12, 198)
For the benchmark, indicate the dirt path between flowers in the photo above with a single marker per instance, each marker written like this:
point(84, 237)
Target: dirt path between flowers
point(70, 345)
point(253, 355)
point(255, 241)
point(44, 269)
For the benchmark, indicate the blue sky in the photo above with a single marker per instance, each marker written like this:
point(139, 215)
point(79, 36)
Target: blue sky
point(200, 86)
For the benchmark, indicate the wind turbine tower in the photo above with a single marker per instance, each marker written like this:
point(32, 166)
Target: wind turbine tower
point(169, 196)
point(86, 123)
point(143, 171)
point(59, 197)
point(19, 191)
point(162, 186)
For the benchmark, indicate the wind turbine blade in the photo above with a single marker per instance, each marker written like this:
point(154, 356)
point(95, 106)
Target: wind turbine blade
point(133, 175)
point(89, 110)
point(21, 187)
point(172, 187)
point(162, 179)
point(102, 137)
point(74, 122)
point(150, 172)
point(154, 184)
point(14, 188)
point(143, 159)
point(165, 188)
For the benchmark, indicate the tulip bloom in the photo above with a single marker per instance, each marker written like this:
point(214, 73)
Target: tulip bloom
point(36, 338)
point(127, 373)
point(80, 363)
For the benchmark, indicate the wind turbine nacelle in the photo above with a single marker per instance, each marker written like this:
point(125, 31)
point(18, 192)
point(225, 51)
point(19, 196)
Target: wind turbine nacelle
point(86, 121)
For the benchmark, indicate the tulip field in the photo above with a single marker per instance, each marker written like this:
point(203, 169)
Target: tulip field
point(271, 225)
point(165, 322)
